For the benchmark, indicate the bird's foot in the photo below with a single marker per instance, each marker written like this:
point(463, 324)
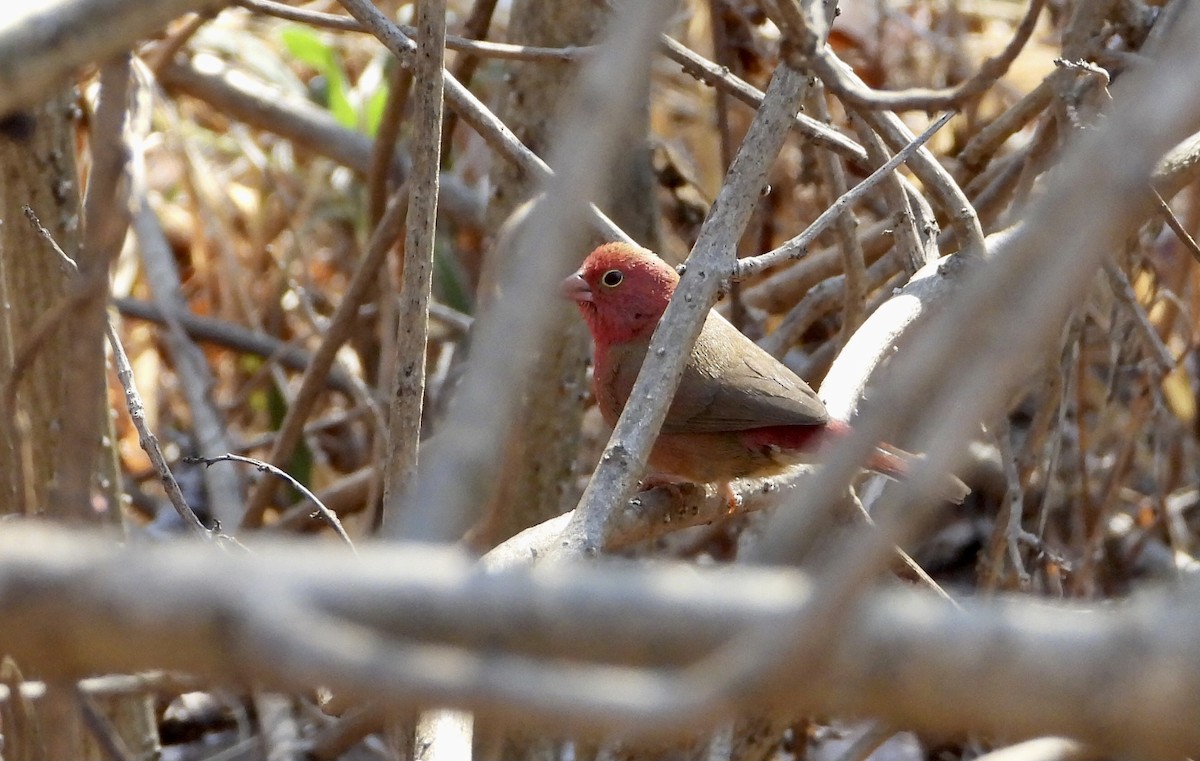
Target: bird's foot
point(678, 487)
point(674, 484)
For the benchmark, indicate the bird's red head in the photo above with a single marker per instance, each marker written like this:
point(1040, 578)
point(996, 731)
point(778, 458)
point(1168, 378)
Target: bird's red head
point(622, 291)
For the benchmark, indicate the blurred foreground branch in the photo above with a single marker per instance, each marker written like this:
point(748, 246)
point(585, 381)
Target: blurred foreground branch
point(409, 626)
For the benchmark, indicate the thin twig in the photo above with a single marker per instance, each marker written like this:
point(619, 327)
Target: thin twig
point(383, 149)
point(834, 175)
point(913, 228)
point(475, 27)
point(867, 743)
point(710, 73)
point(229, 335)
point(1007, 531)
point(147, 438)
point(330, 516)
point(1155, 347)
point(102, 730)
point(798, 246)
point(477, 48)
point(1189, 243)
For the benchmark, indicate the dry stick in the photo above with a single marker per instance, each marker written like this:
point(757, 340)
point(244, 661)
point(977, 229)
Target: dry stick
point(102, 730)
point(469, 108)
point(723, 58)
point(712, 258)
point(225, 495)
point(336, 333)
point(332, 742)
point(475, 27)
point(133, 400)
point(922, 576)
point(148, 440)
point(1045, 664)
point(719, 77)
point(412, 329)
point(649, 515)
point(979, 150)
point(920, 99)
point(913, 225)
point(474, 47)
point(1179, 168)
point(780, 290)
point(106, 220)
point(997, 186)
point(1189, 243)
point(230, 335)
point(1006, 531)
point(329, 515)
point(162, 53)
point(1046, 144)
point(867, 743)
point(383, 148)
point(798, 246)
point(349, 494)
point(940, 185)
point(1159, 353)
point(854, 294)
point(820, 300)
point(334, 420)
point(44, 44)
point(728, 61)
point(383, 152)
point(822, 135)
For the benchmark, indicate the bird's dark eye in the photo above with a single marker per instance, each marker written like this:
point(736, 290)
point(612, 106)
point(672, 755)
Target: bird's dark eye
point(612, 278)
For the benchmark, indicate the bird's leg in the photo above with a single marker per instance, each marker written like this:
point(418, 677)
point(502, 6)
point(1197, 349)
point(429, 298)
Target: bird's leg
point(732, 502)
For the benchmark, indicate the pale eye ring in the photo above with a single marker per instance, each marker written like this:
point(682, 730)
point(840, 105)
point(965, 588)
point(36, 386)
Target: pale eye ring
point(612, 278)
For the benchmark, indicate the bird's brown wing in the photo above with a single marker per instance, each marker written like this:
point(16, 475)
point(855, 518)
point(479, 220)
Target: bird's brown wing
point(731, 384)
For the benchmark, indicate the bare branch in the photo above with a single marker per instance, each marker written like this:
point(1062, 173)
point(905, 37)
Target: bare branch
point(412, 328)
point(42, 44)
point(77, 605)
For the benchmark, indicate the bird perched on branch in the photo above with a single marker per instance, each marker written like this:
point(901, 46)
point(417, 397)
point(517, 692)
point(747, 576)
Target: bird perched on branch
point(738, 412)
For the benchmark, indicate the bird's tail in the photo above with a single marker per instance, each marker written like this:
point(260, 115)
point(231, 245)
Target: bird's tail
point(896, 463)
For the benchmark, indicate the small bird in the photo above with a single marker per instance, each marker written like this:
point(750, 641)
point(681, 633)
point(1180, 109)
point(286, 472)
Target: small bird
point(738, 412)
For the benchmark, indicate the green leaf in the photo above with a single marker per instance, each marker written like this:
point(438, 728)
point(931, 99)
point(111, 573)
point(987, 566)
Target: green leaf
point(374, 110)
point(339, 98)
point(449, 282)
point(306, 45)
